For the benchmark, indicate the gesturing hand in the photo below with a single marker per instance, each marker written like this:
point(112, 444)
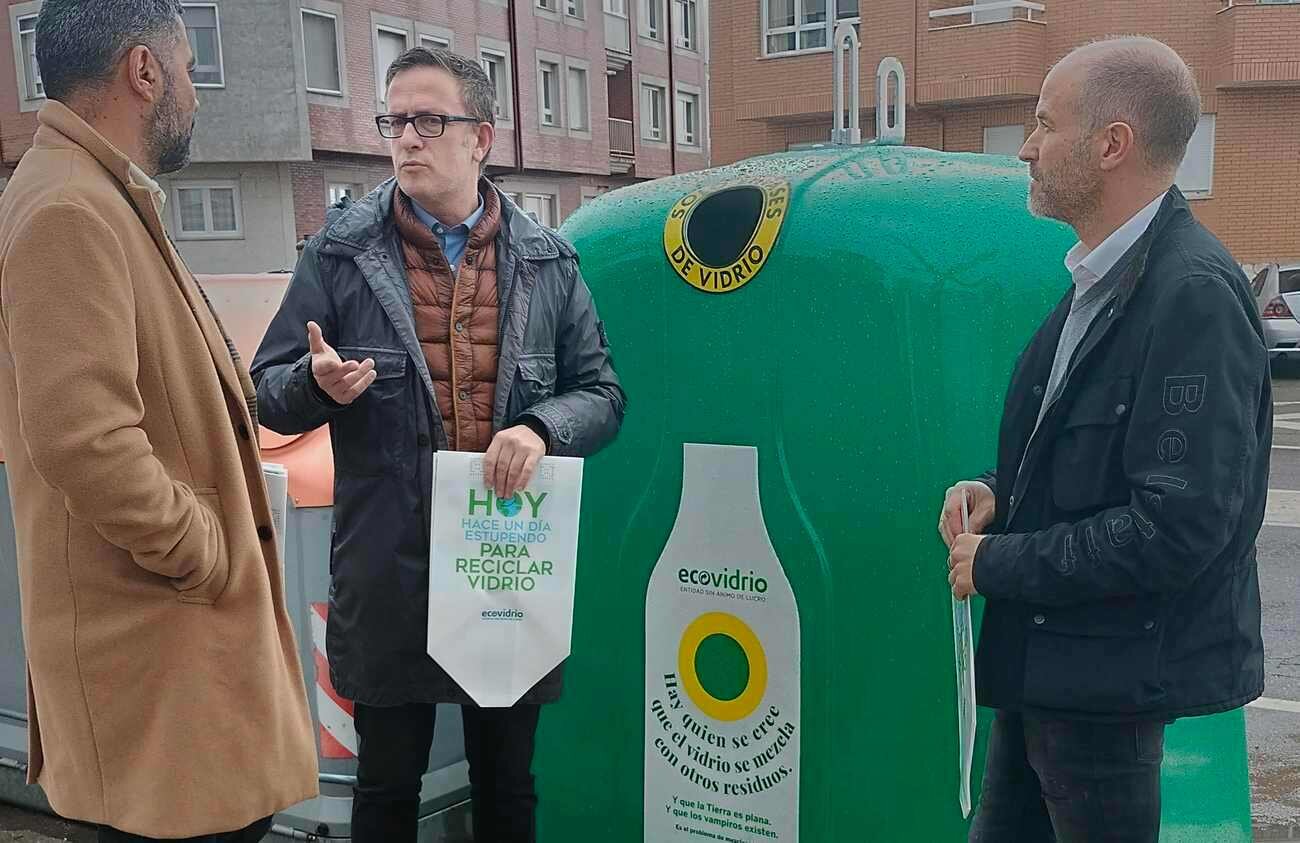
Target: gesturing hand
point(343, 381)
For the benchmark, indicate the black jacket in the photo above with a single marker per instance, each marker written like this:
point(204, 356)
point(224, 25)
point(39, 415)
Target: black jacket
point(1120, 574)
point(555, 372)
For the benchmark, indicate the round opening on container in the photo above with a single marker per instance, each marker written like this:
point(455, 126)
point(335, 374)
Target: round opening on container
point(718, 240)
point(723, 224)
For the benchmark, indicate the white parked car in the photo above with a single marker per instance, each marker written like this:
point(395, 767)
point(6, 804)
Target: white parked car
point(1277, 292)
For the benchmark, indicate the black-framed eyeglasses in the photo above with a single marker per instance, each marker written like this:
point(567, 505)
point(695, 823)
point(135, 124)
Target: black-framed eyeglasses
point(427, 125)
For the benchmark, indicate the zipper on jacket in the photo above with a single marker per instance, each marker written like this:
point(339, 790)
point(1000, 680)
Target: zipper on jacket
point(1109, 316)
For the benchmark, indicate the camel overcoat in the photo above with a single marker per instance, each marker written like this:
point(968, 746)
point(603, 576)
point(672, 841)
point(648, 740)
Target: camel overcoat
point(165, 692)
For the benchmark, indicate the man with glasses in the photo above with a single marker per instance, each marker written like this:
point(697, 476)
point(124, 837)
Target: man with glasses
point(433, 314)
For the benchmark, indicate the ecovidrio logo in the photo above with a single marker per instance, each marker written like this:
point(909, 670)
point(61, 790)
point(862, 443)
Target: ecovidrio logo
point(727, 579)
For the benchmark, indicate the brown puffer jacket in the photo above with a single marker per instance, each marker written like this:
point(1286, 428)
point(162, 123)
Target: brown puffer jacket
point(456, 320)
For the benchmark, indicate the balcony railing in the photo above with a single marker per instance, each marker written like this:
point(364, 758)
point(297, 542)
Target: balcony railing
point(955, 66)
point(992, 11)
point(621, 138)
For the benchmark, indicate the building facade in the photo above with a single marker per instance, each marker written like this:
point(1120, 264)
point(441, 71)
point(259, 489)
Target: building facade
point(590, 98)
point(974, 70)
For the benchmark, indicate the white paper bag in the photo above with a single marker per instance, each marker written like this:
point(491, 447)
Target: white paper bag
point(501, 576)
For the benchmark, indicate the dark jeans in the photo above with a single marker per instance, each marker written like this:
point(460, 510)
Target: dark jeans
point(393, 753)
point(252, 834)
point(1070, 781)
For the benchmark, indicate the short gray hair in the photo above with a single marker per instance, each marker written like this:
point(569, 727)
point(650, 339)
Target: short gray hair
point(1142, 82)
point(80, 42)
point(475, 87)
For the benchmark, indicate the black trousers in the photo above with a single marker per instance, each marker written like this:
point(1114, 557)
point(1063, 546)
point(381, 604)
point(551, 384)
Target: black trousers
point(393, 753)
point(1070, 781)
point(253, 834)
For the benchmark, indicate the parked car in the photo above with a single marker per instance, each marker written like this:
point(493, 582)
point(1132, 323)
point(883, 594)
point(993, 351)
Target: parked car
point(1277, 292)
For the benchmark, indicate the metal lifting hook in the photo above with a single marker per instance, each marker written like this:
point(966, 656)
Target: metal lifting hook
point(846, 127)
point(885, 133)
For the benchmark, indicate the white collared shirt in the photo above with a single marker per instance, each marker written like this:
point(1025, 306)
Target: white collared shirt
point(1089, 267)
point(141, 179)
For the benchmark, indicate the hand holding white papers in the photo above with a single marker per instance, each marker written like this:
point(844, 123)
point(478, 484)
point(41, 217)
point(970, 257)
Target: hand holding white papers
point(964, 652)
point(979, 499)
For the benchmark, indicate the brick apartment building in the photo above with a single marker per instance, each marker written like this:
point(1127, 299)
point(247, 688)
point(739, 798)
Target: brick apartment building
point(591, 98)
point(974, 73)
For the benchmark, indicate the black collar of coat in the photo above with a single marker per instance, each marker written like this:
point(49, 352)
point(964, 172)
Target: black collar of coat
point(355, 227)
point(1132, 266)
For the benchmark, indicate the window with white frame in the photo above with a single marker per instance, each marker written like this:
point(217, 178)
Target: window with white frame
point(548, 85)
point(652, 19)
point(575, 8)
point(688, 118)
point(207, 210)
point(390, 43)
point(435, 42)
point(339, 190)
point(793, 26)
point(33, 88)
point(204, 32)
point(653, 115)
point(1004, 140)
point(548, 5)
point(686, 23)
point(496, 64)
point(579, 112)
point(320, 35)
point(616, 7)
point(1196, 174)
point(541, 205)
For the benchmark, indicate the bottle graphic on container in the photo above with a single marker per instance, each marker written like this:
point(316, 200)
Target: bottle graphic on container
point(722, 719)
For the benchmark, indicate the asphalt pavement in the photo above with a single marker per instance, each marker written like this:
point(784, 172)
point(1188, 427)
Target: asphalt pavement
point(1273, 724)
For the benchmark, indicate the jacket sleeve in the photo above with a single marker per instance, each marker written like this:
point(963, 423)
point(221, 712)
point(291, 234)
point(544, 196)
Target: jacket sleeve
point(1201, 385)
point(990, 479)
point(586, 412)
point(288, 398)
point(70, 312)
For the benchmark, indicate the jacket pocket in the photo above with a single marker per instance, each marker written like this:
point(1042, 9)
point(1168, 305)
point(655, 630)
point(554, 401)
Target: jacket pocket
point(390, 369)
point(372, 430)
point(207, 584)
point(536, 380)
point(1100, 658)
point(1088, 455)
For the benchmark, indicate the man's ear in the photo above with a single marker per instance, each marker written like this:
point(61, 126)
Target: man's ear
point(484, 140)
point(1118, 145)
point(144, 73)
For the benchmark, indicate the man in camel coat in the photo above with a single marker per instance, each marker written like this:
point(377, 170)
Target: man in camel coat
point(166, 698)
